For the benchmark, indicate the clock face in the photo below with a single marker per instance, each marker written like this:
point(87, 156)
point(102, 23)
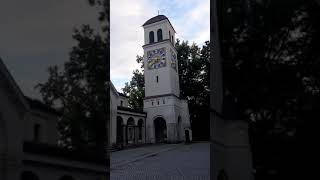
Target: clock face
point(156, 58)
point(173, 60)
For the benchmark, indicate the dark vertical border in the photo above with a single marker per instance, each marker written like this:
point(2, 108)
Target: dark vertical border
point(107, 10)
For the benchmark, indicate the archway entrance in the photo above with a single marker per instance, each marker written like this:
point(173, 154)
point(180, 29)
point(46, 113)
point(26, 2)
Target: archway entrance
point(179, 129)
point(119, 130)
point(140, 130)
point(187, 135)
point(160, 128)
point(130, 130)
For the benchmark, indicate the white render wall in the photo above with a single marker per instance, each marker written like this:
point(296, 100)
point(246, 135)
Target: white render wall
point(164, 25)
point(170, 112)
point(48, 127)
point(16, 127)
point(113, 115)
point(115, 99)
point(124, 100)
point(166, 91)
point(168, 77)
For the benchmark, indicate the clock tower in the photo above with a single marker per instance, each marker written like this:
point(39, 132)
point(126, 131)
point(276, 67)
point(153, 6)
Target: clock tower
point(160, 58)
point(168, 115)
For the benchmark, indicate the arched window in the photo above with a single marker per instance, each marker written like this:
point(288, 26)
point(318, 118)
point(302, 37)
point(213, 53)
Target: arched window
point(151, 37)
point(159, 34)
point(169, 35)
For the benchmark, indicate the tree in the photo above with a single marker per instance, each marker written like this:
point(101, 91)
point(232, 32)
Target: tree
point(79, 91)
point(104, 14)
point(135, 89)
point(271, 74)
point(193, 63)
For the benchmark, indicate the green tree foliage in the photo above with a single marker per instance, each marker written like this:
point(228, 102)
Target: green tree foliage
point(271, 74)
point(135, 89)
point(79, 91)
point(193, 64)
point(104, 13)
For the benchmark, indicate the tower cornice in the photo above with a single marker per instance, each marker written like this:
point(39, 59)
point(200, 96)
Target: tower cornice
point(159, 43)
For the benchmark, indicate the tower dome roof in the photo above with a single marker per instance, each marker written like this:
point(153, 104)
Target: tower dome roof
point(155, 19)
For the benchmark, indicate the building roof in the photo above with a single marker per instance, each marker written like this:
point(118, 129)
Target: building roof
point(123, 95)
point(130, 110)
point(38, 105)
point(157, 19)
point(11, 84)
point(26, 101)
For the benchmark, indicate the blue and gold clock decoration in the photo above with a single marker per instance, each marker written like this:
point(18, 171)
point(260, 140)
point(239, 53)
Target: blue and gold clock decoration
point(173, 60)
point(156, 58)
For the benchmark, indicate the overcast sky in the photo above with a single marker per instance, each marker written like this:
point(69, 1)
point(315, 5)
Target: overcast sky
point(190, 18)
point(36, 34)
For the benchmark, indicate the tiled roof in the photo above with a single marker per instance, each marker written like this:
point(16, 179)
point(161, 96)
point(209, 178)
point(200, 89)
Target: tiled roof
point(155, 19)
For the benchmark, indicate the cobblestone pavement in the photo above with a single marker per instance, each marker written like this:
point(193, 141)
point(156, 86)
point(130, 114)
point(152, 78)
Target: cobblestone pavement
point(182, 162)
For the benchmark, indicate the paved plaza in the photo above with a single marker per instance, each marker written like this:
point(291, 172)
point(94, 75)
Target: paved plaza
point(162, 162)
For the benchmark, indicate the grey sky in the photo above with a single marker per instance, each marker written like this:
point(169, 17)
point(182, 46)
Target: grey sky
point(35, 34)
point(190, 18)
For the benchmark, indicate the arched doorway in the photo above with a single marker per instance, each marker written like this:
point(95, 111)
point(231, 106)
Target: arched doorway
point(140, 130)
point(187, 136)
point(130, 130)
point(179, 128)
point(119, 130)
point(160, 129)
point(29, 175)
